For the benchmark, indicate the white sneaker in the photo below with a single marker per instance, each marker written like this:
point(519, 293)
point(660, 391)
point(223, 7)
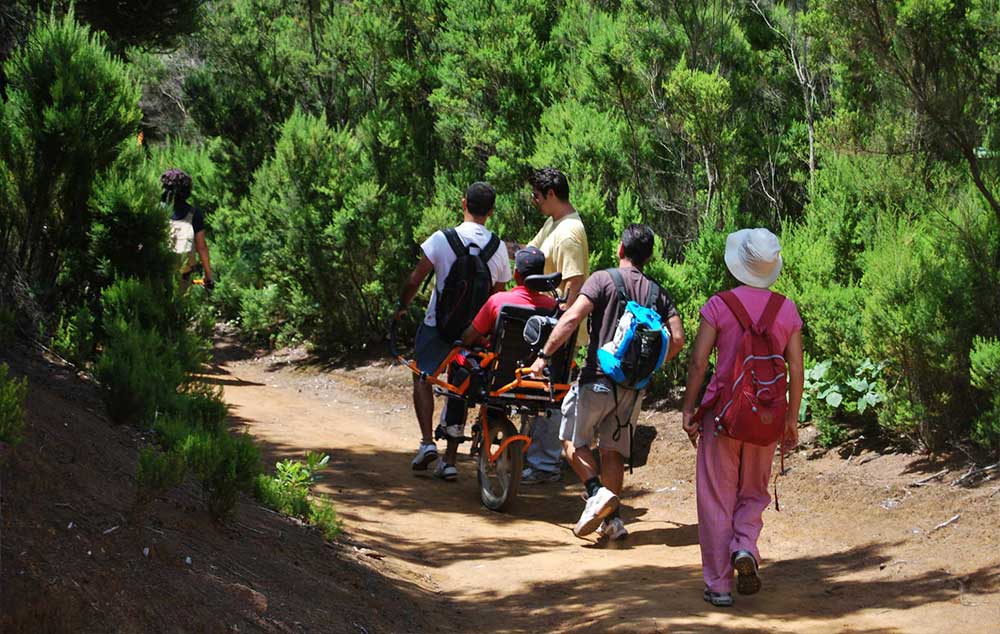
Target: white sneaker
point(599, 506)
point(427, 454)
point(614, 529)
point(445, 471)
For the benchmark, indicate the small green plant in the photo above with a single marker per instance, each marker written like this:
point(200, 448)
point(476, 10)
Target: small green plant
point(158, 471)
point(74, 338)
point(324, 517)
point(138, 377)
point(12, 394)
point(171, 430)
point(833, 401)
point(288, 491)
point(298, 475)
point(225, 464)
point(201, 404)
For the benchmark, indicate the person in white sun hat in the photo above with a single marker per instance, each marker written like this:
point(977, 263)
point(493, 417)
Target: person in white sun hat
point(753, 256)
point(732, 474)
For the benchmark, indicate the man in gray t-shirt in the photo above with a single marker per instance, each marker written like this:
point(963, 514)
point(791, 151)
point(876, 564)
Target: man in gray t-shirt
point(595, 406)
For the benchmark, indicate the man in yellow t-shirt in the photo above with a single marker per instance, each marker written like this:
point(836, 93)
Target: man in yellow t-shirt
point(563, 240)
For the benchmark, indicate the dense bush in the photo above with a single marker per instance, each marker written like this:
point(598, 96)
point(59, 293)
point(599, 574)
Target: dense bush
point(985, 374)
point(68, 107)
point(226, 465)
point(930, 287)
point(74, 337)
point(157, 472)
point(12, 394)
point(137, 372)
point(305, 236)
point(128, 230)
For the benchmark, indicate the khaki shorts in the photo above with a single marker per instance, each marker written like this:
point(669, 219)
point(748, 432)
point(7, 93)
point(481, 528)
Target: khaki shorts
point(589, 410)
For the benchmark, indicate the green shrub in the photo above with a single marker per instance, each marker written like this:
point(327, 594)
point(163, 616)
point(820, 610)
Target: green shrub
point(171, 430)
point(259, 308)
point(323, 516)
point(201, 405)
point(225, 465)
point(289, 245)
point(154, 307)
point(74, 338)
point(12, 394)
point(138, 374)
point(69, 106)
point(985, 374)
point(158, 471)
point(128, 234)
point(929, 290)
point(837, 401)
point(274, 494)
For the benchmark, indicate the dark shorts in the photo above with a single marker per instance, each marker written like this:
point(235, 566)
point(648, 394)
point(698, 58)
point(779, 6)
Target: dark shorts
point(430, 349)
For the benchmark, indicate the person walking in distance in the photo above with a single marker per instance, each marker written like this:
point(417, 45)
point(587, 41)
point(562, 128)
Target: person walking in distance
point(187, 227)
point(744, 413)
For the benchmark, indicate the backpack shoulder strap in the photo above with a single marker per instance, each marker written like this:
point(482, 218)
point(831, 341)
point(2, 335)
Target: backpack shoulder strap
point(486, 254)
point(736, 306)
point(616, 277)
point(455, 242)
point(654, 294)
point(774, 304)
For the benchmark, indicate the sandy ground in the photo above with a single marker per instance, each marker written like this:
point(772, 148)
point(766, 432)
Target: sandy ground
point(854, 548)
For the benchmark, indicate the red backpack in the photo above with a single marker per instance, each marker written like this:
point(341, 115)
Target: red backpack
point(752, 406)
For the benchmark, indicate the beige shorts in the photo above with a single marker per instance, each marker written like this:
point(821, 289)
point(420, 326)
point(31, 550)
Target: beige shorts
point(589, 411)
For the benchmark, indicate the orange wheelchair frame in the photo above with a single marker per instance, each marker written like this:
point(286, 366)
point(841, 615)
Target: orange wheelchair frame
point(500, 468)
point(557, 391)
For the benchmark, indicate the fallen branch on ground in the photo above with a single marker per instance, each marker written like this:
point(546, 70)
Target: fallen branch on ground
point(946, 522)
point(974, 472)
point(922, 482)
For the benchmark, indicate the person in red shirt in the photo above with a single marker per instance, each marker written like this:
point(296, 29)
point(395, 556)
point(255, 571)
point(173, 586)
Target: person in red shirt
point(527, 261)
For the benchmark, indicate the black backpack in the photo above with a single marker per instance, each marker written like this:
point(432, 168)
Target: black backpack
point(466, 288)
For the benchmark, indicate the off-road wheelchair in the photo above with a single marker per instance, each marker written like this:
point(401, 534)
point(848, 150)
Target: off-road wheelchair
point(496, 385)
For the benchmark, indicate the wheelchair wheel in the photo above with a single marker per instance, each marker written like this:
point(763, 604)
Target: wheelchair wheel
point(499, 481)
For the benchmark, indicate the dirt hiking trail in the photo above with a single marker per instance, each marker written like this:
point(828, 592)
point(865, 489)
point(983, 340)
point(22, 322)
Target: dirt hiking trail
point(854, 548)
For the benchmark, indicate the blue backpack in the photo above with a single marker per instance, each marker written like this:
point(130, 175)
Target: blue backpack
point(641, 340)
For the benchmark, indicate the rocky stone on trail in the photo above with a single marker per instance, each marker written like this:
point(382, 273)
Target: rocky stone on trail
point(818, 452)
point(257, 601)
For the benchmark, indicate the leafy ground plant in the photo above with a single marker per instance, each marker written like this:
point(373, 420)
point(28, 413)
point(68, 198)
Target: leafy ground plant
point(835, 402)
point(288, 491)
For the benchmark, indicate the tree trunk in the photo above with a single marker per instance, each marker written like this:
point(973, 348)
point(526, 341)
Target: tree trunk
point(808, 95)
point(977, 177)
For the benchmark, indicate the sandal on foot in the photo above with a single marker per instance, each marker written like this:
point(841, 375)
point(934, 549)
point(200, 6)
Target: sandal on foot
point(718, 599)
point(747, 580)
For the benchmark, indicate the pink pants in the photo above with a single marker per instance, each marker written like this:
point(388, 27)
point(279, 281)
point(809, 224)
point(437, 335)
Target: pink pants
point(732, 495)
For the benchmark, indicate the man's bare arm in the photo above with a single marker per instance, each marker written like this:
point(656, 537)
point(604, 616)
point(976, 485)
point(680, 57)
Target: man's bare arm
point(420, 272)
point(676, 337)
point(573, 286)
point(471, 336)
point(202, 247)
